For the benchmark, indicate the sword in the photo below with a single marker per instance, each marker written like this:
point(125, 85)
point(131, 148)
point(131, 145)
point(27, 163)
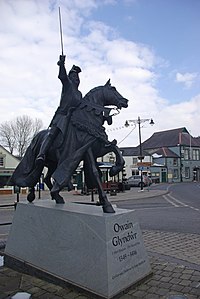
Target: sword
point(61, 36)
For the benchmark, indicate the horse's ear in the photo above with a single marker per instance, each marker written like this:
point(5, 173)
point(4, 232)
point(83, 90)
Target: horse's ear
point(108, 83)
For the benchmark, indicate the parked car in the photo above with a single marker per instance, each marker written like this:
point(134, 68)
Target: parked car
point(135, 181)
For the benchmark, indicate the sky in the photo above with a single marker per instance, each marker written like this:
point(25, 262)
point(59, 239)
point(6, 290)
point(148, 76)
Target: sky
point(148, 49)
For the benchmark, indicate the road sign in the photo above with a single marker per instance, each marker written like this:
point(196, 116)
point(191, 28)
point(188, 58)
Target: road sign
point(140, 168)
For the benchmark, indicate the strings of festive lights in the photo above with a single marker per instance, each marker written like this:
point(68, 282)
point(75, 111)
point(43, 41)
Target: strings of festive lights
point(119, 128)
point(123, 127)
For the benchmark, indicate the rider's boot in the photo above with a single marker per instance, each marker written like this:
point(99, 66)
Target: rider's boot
point(40, 160)
point(44, 147)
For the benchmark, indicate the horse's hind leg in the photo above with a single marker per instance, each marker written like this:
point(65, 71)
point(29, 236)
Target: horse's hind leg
point(106, 205)
point(31, 194)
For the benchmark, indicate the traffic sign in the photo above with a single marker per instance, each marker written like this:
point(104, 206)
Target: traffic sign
point(140, 168)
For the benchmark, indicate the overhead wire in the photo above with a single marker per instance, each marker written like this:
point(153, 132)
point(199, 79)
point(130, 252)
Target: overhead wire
point(119, 128)
point(127, 135)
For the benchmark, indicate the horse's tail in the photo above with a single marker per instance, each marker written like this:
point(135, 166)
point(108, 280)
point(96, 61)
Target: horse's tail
point(26, 173)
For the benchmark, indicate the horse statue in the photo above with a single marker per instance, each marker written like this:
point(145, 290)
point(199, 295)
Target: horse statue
point(84, 140)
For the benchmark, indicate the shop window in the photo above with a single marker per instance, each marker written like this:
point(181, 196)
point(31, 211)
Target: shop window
point(186, 154)
point(1, 161)
point(175, 174)
point(195, 154)
point(187, 172)
point(135, 171)
point(135, 161)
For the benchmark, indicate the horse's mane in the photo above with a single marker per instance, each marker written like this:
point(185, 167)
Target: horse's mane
point(92, 94)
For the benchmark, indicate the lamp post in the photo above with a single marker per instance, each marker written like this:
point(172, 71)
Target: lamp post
point(139, 121)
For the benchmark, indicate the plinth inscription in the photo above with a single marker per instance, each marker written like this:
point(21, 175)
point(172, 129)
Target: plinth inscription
point(127, 252)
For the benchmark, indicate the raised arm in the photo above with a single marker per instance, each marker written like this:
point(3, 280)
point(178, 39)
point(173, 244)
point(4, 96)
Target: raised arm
point(62, 71)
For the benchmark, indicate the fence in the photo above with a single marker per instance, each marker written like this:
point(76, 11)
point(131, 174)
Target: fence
point(9, 205)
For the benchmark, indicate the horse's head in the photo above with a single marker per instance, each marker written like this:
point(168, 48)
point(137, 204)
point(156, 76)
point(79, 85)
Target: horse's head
point(113, 97)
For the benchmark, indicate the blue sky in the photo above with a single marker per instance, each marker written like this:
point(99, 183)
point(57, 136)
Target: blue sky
point(148, 48)
point(170, 28)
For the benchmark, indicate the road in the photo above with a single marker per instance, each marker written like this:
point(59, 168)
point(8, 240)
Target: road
point(177, 211)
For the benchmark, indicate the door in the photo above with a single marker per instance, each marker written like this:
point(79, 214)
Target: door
point(164, 176)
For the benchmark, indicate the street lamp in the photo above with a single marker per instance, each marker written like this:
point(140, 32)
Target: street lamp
point(139, 121)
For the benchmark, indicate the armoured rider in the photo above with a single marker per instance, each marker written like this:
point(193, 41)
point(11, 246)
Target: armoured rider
point(70, 98)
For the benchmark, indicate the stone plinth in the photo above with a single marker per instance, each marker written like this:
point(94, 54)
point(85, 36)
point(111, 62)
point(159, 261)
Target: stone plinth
point(101, 253)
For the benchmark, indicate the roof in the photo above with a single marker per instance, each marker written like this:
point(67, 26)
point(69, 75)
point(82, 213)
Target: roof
point(2, 148)
point(161, 141)
point(102, 165)
point(164, 152)
point(171, 138)
point(105, 165)
point(10, 162)
point(132, 151)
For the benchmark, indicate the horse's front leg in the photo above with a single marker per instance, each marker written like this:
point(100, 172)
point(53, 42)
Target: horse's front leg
point(56, 188)
point(119, 165)
point(47, 181)
point(51, 168)
point(106, 205)
point(112, 147)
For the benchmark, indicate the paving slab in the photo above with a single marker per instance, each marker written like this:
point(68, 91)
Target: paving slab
point(174, 258)
point(161, 285)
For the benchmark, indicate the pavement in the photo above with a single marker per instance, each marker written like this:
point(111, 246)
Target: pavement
point(174, 258)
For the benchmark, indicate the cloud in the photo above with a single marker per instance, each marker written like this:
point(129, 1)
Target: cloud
point(183, 114)
point(187, 79)
point(30, 48)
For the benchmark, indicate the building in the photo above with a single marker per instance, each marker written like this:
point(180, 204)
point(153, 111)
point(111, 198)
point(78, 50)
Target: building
point(8, 163)
point(132, 161)
point(169, 156)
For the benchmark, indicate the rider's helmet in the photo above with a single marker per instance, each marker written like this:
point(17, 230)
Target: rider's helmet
point(73, 75)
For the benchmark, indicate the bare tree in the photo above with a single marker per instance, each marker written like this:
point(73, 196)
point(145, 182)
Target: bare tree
point(16, 135)
point(7, 136)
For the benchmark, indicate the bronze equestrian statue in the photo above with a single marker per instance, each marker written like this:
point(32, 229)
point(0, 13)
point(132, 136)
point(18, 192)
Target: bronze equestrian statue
point(76, 134)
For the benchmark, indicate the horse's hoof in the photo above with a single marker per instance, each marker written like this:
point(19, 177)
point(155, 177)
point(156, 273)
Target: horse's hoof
point(58, 198)
point(31, 197)
point(115, 170)
point(60, 201)
point(108, 208)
